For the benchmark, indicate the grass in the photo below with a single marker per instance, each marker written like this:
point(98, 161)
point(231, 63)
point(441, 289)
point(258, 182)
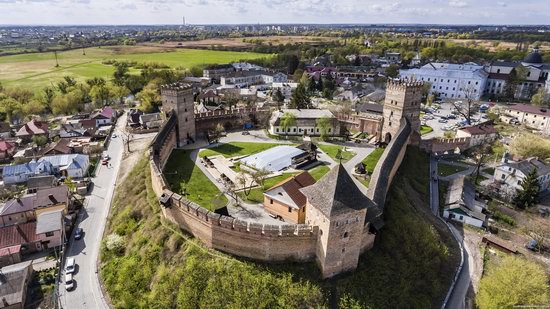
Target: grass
point(503, 218)
point(425, 130)
point(332, 151)
point(234, 149)
point(372, 159)
point(319, 171)
point(489, 170)
point(256, 195)
point(447, 169)
point(38, 70)
point(184, 176)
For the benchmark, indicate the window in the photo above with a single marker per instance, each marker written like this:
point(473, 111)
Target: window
point(289, 209)
point(502, 176)
point(276, 129)
point(294, 129)
point(271, 201)
point(49, 234)
point(346, 235)
point(498, 71)
point(461, 218)
point(185, 119)
point(343, 250)
point(186, 110)
point(469, 82)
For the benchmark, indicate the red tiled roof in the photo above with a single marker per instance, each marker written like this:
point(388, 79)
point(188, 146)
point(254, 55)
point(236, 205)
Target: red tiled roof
point(18, 234)
point(33, 127)
point(5, 145)
point(293, 185)
point(10, 250)
point(480, 129)
point(531, 109)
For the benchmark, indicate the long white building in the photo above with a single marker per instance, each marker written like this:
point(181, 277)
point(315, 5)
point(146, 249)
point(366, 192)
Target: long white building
point(451, 81)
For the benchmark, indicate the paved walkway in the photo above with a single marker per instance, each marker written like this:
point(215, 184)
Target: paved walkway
point(468, 171)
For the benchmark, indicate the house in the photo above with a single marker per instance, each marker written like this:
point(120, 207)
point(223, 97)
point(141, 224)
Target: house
point(32, 128)
point(106, 116)
point(56, 148)
point(7, 149)
point(69, 165)
point(15, 280)
point(511, 173)
point(69, 130)
point(305, 122)
point(5, 130)
point(133, 117)
point(461, 204)
point(285, 199)
point(478, 134)
point(27, 208)
point(151, 121)
point(214, 72)
point(209, 96)
point(40, 182)
point(530, 115)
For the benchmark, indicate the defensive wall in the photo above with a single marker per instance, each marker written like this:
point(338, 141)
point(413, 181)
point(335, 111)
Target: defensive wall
point(442, 145)
point(262, 242)
point(230, 119)
point(388, 164)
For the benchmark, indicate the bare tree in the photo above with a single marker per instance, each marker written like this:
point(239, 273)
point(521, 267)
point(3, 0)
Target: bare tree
point(466, 109)
point(242, 180)
point(540, 232)
point(259, 176)
point(481, 153)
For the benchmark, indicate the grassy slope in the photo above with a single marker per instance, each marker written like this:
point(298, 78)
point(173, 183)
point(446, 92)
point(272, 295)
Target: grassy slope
point(425, 130)
point(447, 169)
point(410, 266)
point(371, 160)
point(237, 149)
point(39, 69)
point(332, 151)
point(184, 176)
point(163, 268)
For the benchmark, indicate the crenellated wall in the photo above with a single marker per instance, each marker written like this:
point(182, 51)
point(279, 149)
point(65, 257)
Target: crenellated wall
point(440, 145)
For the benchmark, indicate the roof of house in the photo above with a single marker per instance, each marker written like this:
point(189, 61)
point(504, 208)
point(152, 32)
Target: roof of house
point(52, 196)
point(17, 205)
point(533, 57)
point(26, 168)
point(15, 276)
point(288, 191)
point(5, 127)
point(461, 195)
point(46, 181)
point(18, 234)
point(33, 127)
point(525, 166)
point(531, 109)
point(511, 64)
point(59, 147)
point(106, 112)
point(74, 160)
point(369, 108)
point(49, 221)
point(499, 76)
point(336, 193)
point(480, 129)
point(6, 145)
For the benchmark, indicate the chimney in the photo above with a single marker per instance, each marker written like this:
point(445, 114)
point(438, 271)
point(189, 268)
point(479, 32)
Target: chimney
point(52, 199)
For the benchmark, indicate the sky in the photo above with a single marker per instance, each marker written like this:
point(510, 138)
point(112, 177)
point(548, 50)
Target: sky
point(273, 11)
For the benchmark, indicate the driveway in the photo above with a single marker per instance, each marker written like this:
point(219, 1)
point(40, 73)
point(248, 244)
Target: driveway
point(91, 219)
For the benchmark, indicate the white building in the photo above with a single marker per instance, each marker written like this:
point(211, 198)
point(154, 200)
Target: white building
point(305, 122)
point(247, 78)
point(451, 81)
point(511, 173)
point(461, 204)
point(530, 115)
point(478, 134)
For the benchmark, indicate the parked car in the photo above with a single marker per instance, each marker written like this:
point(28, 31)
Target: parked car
point(70, 266)
point(69, 282)
point(114, 135)
point(442, 120)
point(78, 233)
point(532, 245)
point(106, 157)
point(451, 116)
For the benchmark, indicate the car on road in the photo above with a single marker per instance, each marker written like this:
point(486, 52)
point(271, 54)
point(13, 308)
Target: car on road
point(104, 162)
point(69, 282)
point(70, 266)
point(442, 120)
point(78, 233)
point(114, 135)
point(246, 133)
point(451, 116)
point(448, 127)
point(106, 157)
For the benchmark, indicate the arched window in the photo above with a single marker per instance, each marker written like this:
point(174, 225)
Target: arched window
point(346, 235)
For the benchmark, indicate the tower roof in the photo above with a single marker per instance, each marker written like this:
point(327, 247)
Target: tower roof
point(534, 57)
point(336, 193)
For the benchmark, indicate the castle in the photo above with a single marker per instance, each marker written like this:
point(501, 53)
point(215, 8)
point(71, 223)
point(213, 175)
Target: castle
point(341, 221)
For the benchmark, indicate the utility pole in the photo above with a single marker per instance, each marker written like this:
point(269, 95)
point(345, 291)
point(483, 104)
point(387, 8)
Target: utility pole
point(56, 63)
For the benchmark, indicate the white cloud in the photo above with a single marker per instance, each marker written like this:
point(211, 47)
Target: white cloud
point(458, 3)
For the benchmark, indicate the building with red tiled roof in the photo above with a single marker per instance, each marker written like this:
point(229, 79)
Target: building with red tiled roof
point(7, 149)
point(32, 128)
point(533, 116)
point(478, 134)
point(285, 199)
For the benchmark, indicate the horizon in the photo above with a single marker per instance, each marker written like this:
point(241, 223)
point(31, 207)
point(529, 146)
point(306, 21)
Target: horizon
point(280, 23)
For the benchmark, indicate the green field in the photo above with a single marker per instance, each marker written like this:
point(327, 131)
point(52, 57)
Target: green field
point(38, 70)
point(234, 149)
point(332, 151)
point(445, 170)
point(372, 159)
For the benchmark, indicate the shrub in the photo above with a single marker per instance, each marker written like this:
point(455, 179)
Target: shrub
point(501, 217)
point(115, 243)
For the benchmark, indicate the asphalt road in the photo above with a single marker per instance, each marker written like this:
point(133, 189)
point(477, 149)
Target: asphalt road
point(92, 219)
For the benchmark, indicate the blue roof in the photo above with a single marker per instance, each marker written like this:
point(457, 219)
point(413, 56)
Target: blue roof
point(45, 164)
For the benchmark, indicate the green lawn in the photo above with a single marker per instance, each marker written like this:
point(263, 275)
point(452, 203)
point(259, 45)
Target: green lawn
point(372, 159)
point(184, 176)
point(319, 171)
point(332, 151)
point(236, 149)
point(489, 170)
point(425, 130)
point(38, 70)
point(447, 169)
point(257, 195)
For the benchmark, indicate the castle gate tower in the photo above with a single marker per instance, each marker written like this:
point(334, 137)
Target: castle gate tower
point(403, 99)
point(178, 98)
point(338, 207)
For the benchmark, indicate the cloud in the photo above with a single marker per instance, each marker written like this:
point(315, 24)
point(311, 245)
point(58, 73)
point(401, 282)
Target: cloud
point(502, 4)
point(458, 3)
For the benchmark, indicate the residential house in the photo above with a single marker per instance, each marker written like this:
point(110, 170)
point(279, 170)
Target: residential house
point(56, 148)
point(133, 117)
point(478, 134)
point(40, 182)
point(69, 130)
point(106, 116)
point(286, 200)
point(5, 130)
point(461, 204)
point(214, 72)
point(305, 124)
point(209, 96)
point(15, 281)
point(69, 165)
point(20, 173)
point(510, 173)
point(7, 149)
point(530, 115)
point(32, 128)
point(151, 121)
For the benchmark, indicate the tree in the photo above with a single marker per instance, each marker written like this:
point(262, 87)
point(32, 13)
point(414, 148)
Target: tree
point(99, 94)
point(466, 109)
point(517, 75)
point(329, 86)
point(514, 281)
point(288, 120)
point(481, 152)
point(40, 140)
point(392, 71)
point(242, 180)
point(10, 107)
point(300, 98)
point(48, 94)
point(119, 92)
point(530, 145)
point(541, 98)
point(96, 81)
point(324, 124)
point(33, 107)
point(278, 97)
point(259, 176)
point(528, 195)
point(149, 99)
point(121, 73)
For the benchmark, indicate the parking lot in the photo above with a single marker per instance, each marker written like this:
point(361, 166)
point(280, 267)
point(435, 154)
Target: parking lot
point(441, 118)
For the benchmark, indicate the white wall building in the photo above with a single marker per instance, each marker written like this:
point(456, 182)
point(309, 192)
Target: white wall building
point(305, 122)
point(451, 81)
point(530, 115)
point(511, 173)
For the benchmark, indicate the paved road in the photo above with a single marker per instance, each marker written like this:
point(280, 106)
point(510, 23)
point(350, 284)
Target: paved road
point(87, 293)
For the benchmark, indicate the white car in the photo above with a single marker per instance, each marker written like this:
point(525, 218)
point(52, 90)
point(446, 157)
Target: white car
point(70, 266)
point(69, 282)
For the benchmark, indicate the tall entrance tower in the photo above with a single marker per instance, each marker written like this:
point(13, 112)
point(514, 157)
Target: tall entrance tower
point(402, 101)
point(178, 98)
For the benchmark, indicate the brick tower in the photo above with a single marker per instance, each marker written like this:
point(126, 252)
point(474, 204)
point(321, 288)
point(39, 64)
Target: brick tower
point(402, 101)
point(178, 97)
point(337, 206)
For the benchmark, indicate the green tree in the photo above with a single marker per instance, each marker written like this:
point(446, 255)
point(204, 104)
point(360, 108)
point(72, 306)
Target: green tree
point(40, 140)
point(121, 73)
point(528, 195)
point(324, 124)
point(514, 281)
point(48, 94)
point(149, 100)
point(278, 97)
point(530, 145)
point(392, 71)
point(119, 93)
point(541, 98)
point(10, 107)
point(300, 98)
point(288, 120)
point(329, 86)
point(100, 94)
point(33, 107)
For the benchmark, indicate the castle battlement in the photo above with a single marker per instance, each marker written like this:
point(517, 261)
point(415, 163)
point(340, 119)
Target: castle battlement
point(403, 84)
point(176, 86)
